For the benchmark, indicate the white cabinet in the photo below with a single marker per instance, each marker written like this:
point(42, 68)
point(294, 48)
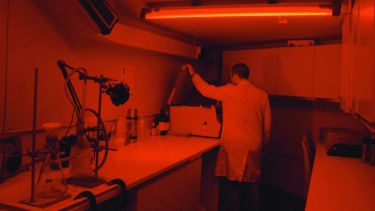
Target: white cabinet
point(263, 64)
point(359, 65)
point(310, 71)
point(364, 61)
point(296, 71)
point(327, 73)
point(175, 190)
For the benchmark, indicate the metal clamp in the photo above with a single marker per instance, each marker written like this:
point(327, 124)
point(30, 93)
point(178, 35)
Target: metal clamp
point(90, 196)
point(123, 197)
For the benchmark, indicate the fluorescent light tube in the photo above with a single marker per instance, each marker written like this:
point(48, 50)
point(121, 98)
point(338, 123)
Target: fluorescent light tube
point(224, 12)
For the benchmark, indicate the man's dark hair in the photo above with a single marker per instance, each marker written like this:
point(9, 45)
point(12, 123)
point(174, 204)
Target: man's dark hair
point(241, 70)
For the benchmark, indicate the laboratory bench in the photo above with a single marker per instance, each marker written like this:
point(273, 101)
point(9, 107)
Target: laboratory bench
point(340, 183)
point(161, 172)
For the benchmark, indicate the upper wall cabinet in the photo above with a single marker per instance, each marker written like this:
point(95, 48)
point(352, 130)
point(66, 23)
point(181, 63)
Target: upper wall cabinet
point(263, 63)
point(311, 71)
point(358, 87)
point(327, 74)
point(296, 71)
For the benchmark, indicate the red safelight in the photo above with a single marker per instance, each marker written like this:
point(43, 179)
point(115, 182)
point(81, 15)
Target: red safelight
point(256, 11)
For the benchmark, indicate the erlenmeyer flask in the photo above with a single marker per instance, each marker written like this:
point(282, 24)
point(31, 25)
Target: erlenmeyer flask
point(81, 161)
point(51, 181)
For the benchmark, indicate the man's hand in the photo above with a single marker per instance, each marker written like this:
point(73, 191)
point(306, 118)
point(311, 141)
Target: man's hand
point(190, 68)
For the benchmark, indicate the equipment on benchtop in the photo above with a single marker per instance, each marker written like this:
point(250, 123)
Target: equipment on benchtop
point(185, 119)
point(51, 185)
point(10, 156)
point(89, 138)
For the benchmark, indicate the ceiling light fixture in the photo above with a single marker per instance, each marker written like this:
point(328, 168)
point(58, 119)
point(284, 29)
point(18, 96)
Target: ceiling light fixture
point(252, 11)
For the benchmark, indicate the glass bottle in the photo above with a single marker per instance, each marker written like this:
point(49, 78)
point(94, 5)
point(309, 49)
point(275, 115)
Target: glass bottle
point(163, 121)
point(131, 126)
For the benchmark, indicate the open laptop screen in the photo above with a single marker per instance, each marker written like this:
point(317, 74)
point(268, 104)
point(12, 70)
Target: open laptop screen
point(181, 90)
point(184, 92)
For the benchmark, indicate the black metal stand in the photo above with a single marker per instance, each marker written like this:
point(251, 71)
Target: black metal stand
point(33, 147)
point(88, 182)
point(33, 200)
point(96, 143)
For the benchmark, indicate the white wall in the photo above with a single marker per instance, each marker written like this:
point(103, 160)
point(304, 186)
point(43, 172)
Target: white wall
point(38, 40)
point(34, 43)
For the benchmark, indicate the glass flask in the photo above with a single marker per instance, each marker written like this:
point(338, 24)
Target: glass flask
point(51, 181)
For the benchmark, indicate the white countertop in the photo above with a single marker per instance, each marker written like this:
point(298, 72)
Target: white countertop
point(143, 160)
point(340, 184)
point(134, 164)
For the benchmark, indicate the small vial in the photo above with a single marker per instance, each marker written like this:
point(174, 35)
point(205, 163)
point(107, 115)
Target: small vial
point(365, 149)
point(154, 130)
point(372, 152)
point(142, 131)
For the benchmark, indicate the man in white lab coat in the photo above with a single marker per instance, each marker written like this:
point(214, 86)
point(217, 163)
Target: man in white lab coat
point(246, 129)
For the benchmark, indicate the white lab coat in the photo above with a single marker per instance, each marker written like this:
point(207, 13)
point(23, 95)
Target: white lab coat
point(246, 128)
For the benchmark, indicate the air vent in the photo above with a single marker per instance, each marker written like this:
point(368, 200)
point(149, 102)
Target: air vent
point(101, 13)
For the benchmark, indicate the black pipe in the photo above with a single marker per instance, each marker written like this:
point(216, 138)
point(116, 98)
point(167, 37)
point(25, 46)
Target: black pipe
point(61, 64)
point(32, 198)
